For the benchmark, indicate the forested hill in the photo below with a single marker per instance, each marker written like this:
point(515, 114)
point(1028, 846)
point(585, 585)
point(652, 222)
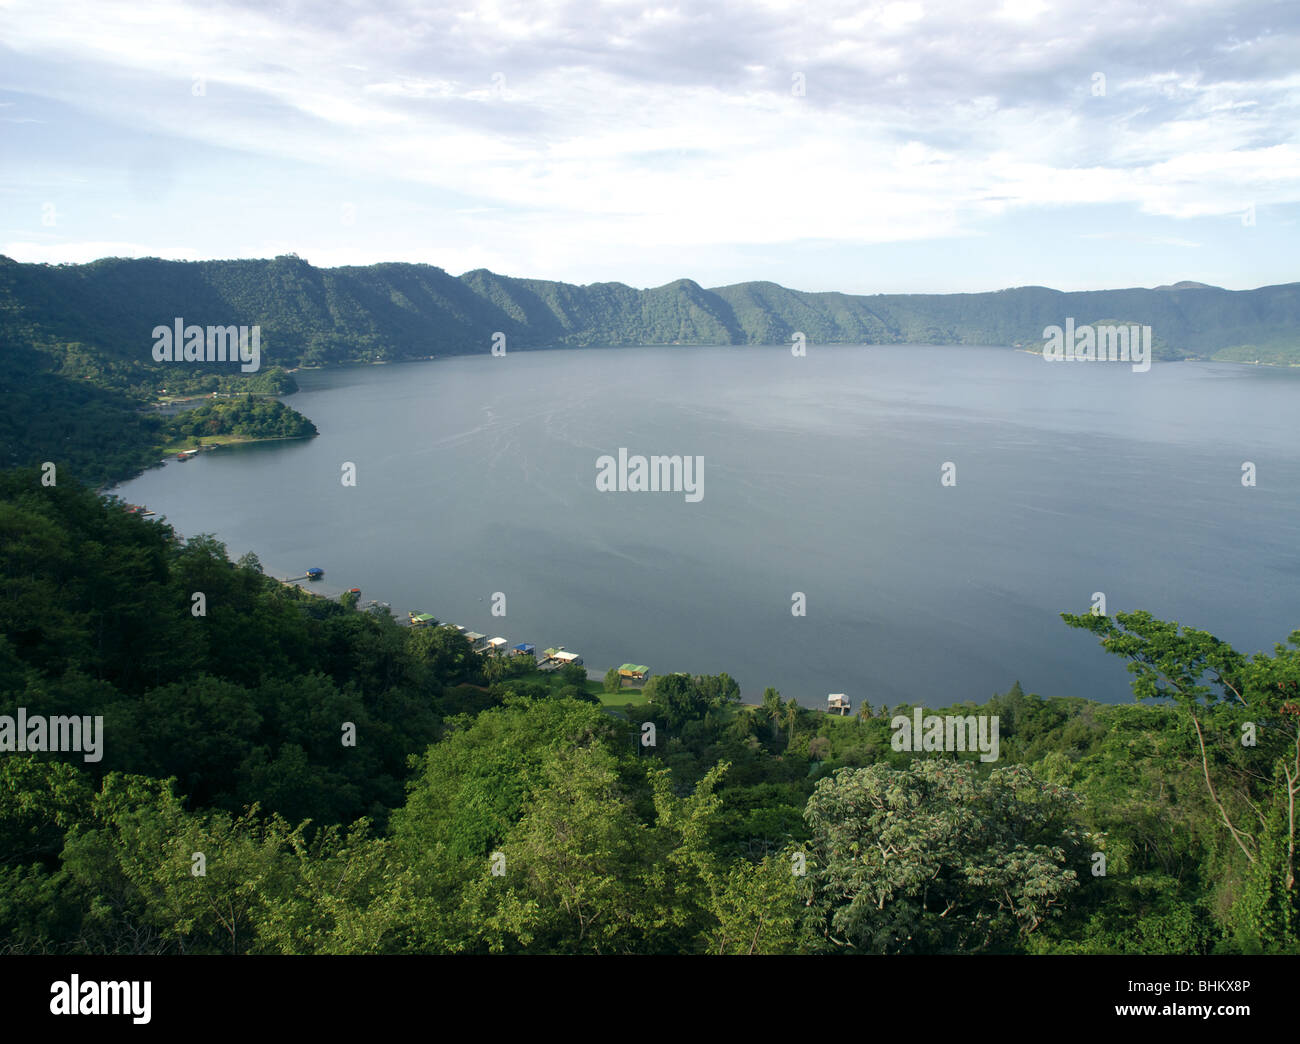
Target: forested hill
point(96, 318)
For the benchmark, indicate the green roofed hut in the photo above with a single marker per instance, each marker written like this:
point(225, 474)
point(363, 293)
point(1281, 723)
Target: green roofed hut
point(635, 671)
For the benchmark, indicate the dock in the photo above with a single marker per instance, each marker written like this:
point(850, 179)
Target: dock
point(550, 660)
point(556, 658)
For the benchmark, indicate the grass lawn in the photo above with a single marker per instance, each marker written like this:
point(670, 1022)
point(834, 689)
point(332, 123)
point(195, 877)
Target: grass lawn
point(208, 441)
point(617, 700)
point(611, 700)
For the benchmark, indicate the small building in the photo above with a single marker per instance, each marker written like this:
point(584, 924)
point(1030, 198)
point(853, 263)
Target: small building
point(496, 645)
point(837, 701)
point(315, 574)
point(475, 640)
point(421, 619)
point(568, 657)
point(524, 649)
point(635, 671)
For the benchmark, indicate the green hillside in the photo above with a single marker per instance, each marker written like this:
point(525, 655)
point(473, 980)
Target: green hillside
point(78, 339)
point(95, 319)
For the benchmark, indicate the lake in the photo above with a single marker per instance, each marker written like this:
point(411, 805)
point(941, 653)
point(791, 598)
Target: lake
point(477, 475)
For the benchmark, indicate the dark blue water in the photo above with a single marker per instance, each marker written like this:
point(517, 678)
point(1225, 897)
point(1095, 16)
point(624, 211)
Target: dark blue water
point(821, 476)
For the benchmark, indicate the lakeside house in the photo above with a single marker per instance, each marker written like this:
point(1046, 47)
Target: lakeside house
point(634, 671)
point(554, 659)
point(421, 619)
point(525, 649)
point(837, 701)
point(496, 645)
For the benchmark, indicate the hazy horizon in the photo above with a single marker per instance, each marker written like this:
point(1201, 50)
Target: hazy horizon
point(1175, 284)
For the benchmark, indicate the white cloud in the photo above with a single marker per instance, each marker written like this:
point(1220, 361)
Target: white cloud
point(920, 121)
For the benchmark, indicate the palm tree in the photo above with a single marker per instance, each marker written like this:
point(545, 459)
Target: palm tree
point(771, 709)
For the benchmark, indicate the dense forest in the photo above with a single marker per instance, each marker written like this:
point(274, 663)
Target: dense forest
point(245, 416)
point(95, 319)
point(100, 434)
point(283, 773)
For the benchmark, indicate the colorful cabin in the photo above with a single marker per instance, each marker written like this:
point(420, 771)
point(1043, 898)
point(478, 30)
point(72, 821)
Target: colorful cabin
point(838, 701)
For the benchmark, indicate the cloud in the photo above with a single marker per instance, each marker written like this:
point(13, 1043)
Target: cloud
point(564, 123)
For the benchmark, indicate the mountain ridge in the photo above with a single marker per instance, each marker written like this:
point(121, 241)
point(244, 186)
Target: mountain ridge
point(94, 319)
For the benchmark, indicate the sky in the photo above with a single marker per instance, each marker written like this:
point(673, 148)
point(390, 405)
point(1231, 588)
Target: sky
point(862, 147)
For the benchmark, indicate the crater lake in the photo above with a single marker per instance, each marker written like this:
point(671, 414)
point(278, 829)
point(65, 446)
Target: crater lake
point(821, 476)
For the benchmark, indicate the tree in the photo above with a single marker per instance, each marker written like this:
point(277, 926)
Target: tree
point(139, 853)
point(791, 720)
point(936, 858)
point(443, 652)
point(570, 862)
point(717, 690)
point(757, 907)
point(771, 709)
point(678, 700)
point(1245, 716)
point(613, 680)
point(575, 675)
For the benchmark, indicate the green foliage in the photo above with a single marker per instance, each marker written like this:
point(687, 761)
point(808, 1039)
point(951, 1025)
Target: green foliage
point(243, 704)
point(1242, 726)
point(90, 317)
point(937, 858)
point(249, 417)
point(758, 907)
point(1149, 828)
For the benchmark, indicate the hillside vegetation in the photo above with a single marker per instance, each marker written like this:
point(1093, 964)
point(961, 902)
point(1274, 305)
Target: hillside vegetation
point(95, 319)
point(354, 786)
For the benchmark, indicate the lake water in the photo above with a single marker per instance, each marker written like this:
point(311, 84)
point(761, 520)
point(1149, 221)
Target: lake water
point(822, 474)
